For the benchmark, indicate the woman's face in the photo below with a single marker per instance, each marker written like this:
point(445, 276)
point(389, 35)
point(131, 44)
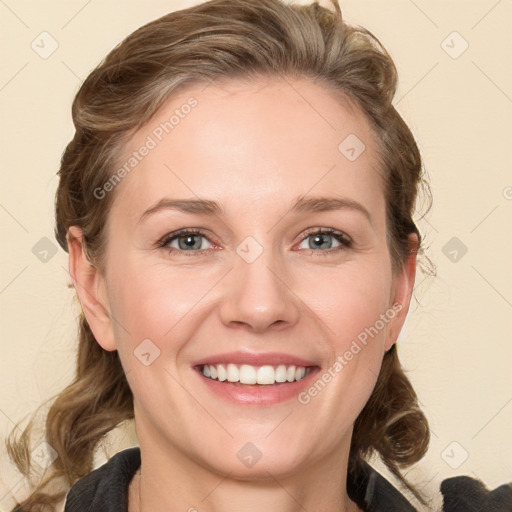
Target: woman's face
point(286, 265)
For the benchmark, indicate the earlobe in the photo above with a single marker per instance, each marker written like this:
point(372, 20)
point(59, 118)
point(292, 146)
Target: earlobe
point(403, 288)
point(90, 287)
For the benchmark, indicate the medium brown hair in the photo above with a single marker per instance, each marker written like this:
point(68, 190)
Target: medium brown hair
point(221, 39)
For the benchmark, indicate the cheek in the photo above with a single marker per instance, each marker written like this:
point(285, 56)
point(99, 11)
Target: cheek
point(346, 300)
point(354, 308)
point(153, 300)
point(155, 313)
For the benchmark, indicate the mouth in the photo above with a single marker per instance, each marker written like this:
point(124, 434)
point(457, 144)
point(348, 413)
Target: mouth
point(255, 379)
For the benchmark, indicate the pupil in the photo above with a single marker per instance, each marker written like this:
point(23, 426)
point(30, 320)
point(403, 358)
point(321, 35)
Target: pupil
point(319, 241)
point(189, 242)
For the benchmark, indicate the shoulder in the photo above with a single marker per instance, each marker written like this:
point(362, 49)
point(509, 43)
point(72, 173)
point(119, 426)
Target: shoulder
point(463, 493)
point(373, 493)
point(105, 489)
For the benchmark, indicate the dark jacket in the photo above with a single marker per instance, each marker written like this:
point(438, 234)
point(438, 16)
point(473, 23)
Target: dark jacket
point(105, 490)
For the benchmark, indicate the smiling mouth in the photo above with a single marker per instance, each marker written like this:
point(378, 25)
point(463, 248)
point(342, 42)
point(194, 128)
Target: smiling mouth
point(266, 375)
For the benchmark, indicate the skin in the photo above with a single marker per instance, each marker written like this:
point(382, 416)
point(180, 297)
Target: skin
point(254, 148)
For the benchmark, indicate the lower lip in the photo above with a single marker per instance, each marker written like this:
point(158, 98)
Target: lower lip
point(245, 394)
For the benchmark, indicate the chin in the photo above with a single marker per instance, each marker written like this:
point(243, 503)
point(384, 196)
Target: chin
point(262, 459)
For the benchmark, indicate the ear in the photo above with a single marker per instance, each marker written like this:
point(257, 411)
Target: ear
point(403, 286)
point(91, 289)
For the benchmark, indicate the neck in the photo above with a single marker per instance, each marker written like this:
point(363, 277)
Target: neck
point(172, 481)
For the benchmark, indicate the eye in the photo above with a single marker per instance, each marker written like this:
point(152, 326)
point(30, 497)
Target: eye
point(322, 240)
point(186, 241)
point(194, 241)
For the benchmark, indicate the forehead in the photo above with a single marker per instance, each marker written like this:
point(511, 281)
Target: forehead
point(262, 143)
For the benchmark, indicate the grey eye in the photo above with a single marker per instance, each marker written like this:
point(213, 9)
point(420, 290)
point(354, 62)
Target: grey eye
point(189, 242)
point(320, 241)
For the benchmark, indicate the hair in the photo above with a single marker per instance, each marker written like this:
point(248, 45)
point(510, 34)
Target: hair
point(216, 40)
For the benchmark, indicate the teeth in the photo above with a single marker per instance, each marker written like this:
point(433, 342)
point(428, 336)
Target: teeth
point(221, 372)
point(266, 375)
point(232, 372)
point(281, 373)
point(247, 374)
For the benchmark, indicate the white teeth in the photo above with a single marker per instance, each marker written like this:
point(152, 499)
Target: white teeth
point(266, 375)
point(221, 372)
point(281, 373)
point(248, 374)
point(300, 372)
point(233, 373)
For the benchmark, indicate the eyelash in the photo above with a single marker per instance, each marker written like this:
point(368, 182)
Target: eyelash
point(342, 238)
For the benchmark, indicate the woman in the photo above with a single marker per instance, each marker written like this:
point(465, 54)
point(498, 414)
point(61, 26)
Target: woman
point(237, 206)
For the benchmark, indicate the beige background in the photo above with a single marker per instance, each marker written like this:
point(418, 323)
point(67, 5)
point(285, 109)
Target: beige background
point(457, 342)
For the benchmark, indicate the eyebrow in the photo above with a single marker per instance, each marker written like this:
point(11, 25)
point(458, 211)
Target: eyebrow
point(301, 205)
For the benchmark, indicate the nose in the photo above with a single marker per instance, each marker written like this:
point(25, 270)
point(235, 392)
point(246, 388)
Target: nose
point(257, 297)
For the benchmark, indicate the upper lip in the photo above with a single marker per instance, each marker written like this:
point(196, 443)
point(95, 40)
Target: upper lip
point(254, 359)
